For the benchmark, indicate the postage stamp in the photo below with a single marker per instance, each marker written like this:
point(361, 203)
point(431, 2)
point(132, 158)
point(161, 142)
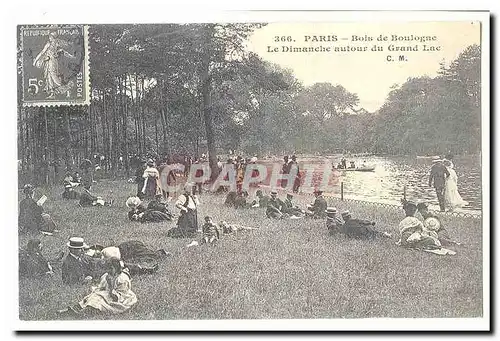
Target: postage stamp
point(55, 65)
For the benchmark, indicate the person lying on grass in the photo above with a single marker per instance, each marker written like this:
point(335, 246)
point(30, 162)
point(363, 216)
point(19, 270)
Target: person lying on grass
point(89, 200)
point(32, 218)
point(210, 231)
point(31, 261)
point(360, 228)
point(334, 222)
point(412, 231)
point(317, 209)
point(136, 257)
point(432, 223)
point(230, 228)
point(113, 294)
point(139, 213)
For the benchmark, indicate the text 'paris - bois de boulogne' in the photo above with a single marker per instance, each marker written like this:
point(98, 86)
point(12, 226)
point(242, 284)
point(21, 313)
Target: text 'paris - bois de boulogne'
point(380, 43)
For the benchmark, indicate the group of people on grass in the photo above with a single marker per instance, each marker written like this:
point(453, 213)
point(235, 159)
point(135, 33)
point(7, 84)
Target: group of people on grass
point(111, 267)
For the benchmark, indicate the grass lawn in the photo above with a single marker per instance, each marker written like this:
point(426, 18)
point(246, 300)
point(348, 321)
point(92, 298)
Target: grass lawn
point(286, 269)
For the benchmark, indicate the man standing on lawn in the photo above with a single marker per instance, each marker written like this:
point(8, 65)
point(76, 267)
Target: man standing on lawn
point(438, 175)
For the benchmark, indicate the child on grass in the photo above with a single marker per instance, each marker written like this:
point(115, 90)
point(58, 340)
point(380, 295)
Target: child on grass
point(210, 231)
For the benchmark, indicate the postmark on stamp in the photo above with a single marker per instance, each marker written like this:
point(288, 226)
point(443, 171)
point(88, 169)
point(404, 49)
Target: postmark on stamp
point(55, 65)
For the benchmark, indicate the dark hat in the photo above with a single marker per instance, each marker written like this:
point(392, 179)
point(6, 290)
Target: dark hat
point(274, 192)
point(410, 203)
point(318, 191)
point(76, 243)
point(331, 210)
point(422, 205)
point(208, 217)
point(289, 195)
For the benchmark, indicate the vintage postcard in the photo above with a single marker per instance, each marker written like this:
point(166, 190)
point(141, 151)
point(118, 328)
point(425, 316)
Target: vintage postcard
point(286, 170)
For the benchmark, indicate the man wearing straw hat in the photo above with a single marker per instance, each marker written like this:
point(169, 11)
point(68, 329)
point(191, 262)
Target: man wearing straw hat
point(76, 267)
point(333, 222)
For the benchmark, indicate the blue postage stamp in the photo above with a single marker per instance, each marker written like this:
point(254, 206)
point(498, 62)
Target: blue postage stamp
point(55, 65)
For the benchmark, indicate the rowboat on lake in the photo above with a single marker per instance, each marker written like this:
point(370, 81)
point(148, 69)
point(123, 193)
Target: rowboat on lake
point(359, 169)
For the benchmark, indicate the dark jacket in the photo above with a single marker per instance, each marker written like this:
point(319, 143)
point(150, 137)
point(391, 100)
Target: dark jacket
point(274, 205)
point(438, 175)
point(319, 207)
point(74, 270)
point(87, 199)
point(32, 264)
point(30, 215)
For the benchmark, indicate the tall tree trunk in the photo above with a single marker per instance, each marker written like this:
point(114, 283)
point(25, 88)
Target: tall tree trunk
point(68, 154)
point(125, 128)
point(207, 103)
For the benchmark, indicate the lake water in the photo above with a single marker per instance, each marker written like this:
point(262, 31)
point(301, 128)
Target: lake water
point(385, 184)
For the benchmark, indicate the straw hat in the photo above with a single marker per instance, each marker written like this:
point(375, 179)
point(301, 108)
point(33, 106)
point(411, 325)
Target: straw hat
point(76, 243)
point(346, 214)
point(111, 252)
point(133, 202)
point(331, 210)
point(432, 224)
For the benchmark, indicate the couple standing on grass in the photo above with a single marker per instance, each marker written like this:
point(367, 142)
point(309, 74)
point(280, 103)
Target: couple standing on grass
point(445, 181)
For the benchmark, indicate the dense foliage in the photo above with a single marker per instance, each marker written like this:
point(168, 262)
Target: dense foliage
point(193, 89)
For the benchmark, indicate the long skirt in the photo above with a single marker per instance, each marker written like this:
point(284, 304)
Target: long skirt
point(187, 225)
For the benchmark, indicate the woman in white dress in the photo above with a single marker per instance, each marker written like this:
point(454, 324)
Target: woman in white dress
point(452, 198)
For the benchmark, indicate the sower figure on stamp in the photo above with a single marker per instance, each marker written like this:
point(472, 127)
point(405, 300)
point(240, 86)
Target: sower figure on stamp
point(437, 177)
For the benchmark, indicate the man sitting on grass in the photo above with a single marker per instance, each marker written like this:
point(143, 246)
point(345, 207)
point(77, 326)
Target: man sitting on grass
point(31, 261)
point(275, 207)
point(88, 200)
point(318, 208)
point(262, 200)
point(77, 267)
point(32, 218)
point(290, 208)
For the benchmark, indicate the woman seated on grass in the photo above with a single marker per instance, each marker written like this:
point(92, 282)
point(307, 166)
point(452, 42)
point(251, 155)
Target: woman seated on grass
point(412, 231)
point(432, 223)
point(113, 294)
point(31, 261)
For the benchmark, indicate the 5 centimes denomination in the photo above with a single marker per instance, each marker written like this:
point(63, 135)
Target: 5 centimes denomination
point(55, 65)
